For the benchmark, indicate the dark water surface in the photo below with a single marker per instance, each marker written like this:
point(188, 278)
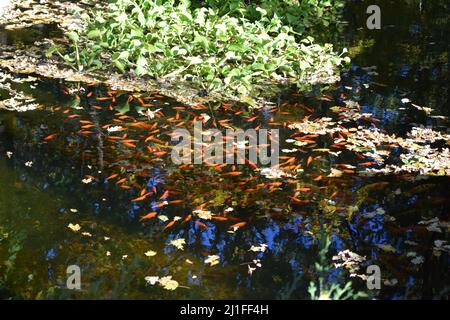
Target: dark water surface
point(45, 155)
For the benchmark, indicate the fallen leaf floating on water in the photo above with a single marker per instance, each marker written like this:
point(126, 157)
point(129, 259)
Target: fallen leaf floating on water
point(178, 243)
point(163, 218)
point(203, 214)
point(206, 117)
point(387, 248)
point(168, 283)
point(260, 248)
point(87, 180)
point(114, 129)
point(418, 260)
point(335, 173)
point(152, 280)
point(212, 260)
point(150, 253)
point(74, 227)
point(250, 270)
point(351, 262)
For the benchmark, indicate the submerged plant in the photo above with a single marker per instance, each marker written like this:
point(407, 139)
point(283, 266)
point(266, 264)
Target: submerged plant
point(325, 290)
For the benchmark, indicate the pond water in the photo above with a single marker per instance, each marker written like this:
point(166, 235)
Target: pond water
point(95, 158)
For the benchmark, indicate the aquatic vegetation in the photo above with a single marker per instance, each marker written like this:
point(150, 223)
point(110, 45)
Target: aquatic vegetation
point(205, 48)
point(244, 75)
point(299, 14)
point(322, 289)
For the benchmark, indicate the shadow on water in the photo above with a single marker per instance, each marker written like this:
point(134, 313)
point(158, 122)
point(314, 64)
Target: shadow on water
point(28, 36)
point(100, 159)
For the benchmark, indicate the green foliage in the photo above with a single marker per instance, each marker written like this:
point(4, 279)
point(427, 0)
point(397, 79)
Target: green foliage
point(301, 15)
point(11, 244)
point(212, 48)
point(323, 289)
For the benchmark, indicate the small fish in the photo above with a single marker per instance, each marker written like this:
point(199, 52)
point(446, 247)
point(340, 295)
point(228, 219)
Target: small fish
point(189, 217)
point(367, 163)
point(165, 195)
point(121, 180)
point(112, 176)
point(219, 218)
point(201, 225)
point(232, 173)
point(50, 137)
point(141, 198)
point(88, 126)
point(130, 145)
point(159, 153)
point(239, 225)
point(85, 133)
point(169, 225)
point(175, 201)
point(149, 216)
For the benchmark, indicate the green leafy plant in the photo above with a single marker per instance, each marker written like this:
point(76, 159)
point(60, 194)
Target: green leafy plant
point(213, 48)
point(325, 290)
point(301, 15)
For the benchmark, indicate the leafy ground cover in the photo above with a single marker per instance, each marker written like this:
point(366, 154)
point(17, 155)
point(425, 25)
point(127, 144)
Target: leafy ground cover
point(244, 52)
